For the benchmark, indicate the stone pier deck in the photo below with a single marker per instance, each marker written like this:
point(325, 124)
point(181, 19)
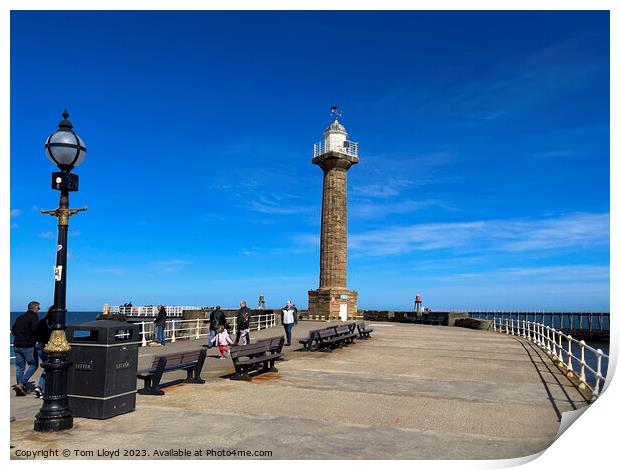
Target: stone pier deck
point(410, 392)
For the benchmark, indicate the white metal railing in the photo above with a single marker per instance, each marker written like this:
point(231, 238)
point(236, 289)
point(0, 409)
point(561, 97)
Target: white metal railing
point(348, 147)
point(147, 311)
point(552, 342)
point(195, 329)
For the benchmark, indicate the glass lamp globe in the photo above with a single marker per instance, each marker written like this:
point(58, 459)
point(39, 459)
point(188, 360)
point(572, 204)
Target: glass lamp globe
point(64, 147)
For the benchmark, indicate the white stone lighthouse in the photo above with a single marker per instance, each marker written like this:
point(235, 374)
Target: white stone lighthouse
point(335, 154)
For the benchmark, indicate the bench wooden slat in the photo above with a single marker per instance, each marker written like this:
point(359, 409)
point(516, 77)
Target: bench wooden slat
point(190, 361)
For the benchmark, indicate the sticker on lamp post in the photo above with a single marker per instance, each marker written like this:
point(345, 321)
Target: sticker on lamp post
point(57, 273)
point(59, 247)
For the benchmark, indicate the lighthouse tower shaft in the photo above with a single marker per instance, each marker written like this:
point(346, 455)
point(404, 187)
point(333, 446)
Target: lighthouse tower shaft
point(333, 272)
point(334, 155)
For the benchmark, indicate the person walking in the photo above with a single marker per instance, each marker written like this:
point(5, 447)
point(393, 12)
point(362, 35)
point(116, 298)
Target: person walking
point(216, 319)
point(24, 341)
point(43, 333)
point(244, 328)
point(241, 319)
point(288, 318)
point(160, 326)
point(222, 340)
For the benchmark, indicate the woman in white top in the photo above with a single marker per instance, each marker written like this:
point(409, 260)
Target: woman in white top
point(289, 318)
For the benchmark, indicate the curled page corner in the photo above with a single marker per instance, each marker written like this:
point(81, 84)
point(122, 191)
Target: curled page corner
point(568, 418)
point(517, 461)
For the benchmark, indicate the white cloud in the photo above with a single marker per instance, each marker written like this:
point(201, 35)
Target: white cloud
point(552, 274)
point(15, 213)
point(46, 234)
point(367, 210)
point(115, 271)
point(250, 251)
point(575, 230)
point(381, 190)
point(171, 265)
point(277, 205)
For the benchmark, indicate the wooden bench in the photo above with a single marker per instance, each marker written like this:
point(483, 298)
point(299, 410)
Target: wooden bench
point(307, 341)
point(363, 331)
point(346, 334)
point(276, 343)
point(250, 357)
point(327, 339)
point(189, 361)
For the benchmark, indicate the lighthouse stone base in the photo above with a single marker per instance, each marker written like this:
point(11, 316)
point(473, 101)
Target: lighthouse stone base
point(332, 304)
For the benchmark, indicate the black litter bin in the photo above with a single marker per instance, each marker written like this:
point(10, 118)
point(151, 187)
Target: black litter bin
point(102, 380)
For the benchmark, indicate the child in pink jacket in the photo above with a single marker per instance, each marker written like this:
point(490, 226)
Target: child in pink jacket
point(222, 340)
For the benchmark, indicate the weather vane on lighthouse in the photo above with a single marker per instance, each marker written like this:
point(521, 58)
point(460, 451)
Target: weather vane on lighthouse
point(336, 112)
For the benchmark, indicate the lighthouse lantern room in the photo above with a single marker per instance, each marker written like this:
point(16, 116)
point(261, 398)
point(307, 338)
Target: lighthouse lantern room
point(335, 139)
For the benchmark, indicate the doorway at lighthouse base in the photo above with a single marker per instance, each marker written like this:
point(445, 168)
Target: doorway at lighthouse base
point(333, 304)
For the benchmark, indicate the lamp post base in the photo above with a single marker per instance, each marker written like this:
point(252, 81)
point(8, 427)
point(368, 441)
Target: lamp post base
point(55, 414)
point(53, 424)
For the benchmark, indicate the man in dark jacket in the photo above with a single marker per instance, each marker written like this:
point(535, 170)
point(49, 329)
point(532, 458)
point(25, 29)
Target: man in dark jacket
point(160, 326)
point(216, 319)
point(24, 331)
point(243, 308)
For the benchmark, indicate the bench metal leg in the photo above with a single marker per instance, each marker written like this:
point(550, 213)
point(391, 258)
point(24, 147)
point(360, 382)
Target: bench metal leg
point(241, 376)
point(193, 374)
point(241, 373)
point(150, 388)
point(151, 384)
point(269, 366)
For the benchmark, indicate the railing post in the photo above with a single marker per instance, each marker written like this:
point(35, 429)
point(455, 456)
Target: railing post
point(548, 348)
point(512, 326)
point(234, 325)
point(554, 351)
point(174, 336)
point(569, 362)
point(143, 324)
point(494, 324)
point(197, 328)
point(258, 327)
point(597, 382)
point(541, 335)
point(560, 350)
point(582, 364)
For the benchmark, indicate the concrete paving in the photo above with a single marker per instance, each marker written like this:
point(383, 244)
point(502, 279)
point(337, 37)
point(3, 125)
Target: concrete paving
point(410, 392)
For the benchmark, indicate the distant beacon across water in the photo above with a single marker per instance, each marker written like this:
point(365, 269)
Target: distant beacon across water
point(335, 154)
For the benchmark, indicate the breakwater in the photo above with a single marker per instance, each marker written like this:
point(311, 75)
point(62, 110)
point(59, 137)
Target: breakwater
point(587, 326)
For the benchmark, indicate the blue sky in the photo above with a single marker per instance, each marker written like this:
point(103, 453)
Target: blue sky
point(484, 156)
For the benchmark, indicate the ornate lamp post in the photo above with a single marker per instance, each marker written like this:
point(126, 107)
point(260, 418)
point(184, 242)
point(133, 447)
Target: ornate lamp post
point(66, 149)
